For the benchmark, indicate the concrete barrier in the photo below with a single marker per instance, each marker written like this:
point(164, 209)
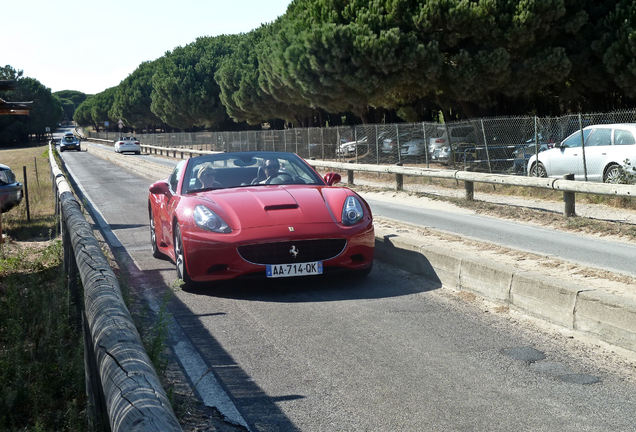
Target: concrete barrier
point(602, 315)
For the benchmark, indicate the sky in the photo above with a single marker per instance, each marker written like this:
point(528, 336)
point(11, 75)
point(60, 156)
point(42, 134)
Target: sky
point(90, 46)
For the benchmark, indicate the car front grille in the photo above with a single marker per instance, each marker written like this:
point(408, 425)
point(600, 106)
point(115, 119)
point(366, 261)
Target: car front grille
point(292, 251)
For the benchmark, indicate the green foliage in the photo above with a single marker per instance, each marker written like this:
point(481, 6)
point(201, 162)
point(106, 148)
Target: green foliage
point(185, 94)
point(76, 96)
point(100, 106)
point(41, 360)
point(70, 100)
point(618, 45)
point(132, 100)
point(462, 58)
point(238, 78)
point(82, 115)
point(46, 109)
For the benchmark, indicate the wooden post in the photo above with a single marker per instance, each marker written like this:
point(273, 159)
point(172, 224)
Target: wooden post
point(37, 177)
point(469, 187)
point(350, 177)
point(399, 180)
point(568, 198)
point(26, 193)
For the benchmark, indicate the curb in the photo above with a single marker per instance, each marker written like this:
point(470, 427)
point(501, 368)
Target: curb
point(608, 317)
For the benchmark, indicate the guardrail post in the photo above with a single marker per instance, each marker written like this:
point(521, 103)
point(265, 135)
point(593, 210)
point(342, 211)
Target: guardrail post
point(469, 187)
point(569, 200)
point(399, 180)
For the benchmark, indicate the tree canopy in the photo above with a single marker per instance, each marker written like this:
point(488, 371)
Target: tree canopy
point(46, 110)
point(413, 58)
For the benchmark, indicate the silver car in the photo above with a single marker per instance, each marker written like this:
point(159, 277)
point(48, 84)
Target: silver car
point(10, 189)
point(610, 155)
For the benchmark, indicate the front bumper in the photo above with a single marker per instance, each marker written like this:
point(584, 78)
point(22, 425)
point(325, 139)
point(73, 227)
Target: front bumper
point(211, 257)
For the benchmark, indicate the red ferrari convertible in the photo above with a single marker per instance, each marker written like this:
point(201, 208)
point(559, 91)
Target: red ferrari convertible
point(267, 214)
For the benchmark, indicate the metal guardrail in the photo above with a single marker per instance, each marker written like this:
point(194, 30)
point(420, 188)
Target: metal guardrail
point(123, 388)
point(567, 185)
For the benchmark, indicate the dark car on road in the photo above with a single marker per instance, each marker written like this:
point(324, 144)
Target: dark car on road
point(70, 142)
point(10, 190)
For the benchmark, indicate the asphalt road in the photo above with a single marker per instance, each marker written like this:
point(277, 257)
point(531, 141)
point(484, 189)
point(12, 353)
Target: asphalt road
point(583, 249)
point(390, 353)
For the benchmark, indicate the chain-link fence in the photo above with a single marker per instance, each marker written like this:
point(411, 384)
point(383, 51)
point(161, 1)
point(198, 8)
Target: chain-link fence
point(496, 145)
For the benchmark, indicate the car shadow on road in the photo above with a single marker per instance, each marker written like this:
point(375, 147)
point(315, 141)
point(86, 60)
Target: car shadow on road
point(380, 283)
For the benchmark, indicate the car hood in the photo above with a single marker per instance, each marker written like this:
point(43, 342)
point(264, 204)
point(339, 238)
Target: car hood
point(260, 206)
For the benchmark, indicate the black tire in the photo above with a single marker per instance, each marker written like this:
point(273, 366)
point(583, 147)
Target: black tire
point(613, 174)
point(179, 258)
point(538, 170)
point(153, 236)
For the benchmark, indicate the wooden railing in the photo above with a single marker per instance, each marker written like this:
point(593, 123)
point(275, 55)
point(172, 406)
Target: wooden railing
point(123, 389)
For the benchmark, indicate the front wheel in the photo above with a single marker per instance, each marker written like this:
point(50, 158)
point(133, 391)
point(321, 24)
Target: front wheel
point(538, 170)
point(613, 174)
point(179, 258)
point(153, 236)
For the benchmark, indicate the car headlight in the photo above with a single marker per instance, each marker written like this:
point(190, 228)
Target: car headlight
point(352, 212)
point(208, 220)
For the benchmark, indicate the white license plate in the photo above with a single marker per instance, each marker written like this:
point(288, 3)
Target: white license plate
point(296, 269)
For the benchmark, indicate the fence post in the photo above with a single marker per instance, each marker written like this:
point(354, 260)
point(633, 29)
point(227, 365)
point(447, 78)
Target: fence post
point(377, 146)
point(399, 180)
point(583, 147)
point(451, 150)
point(536, 144)
point(26, 193)
point(483, 132)
point(569, 200)
point(350, 176)
point(425, 144)
point(355, 141)
point(397, 140)
point(469, 187)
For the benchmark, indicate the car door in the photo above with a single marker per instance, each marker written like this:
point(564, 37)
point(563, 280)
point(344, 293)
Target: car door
point(168, 204)
point(568, 157)
point(597, 145)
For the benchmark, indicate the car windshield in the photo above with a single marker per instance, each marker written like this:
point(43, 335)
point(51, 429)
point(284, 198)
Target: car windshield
point(241, 169)
point(69, 139)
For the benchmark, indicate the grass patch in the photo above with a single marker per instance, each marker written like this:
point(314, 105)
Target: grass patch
point(41, 356)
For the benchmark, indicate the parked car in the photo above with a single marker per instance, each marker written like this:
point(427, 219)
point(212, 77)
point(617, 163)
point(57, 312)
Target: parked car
point(70, 142)
point(348, 148)
point(610, 153)
point(127, 144)
point(440, 146)
point(11, 192)
point(413, 147)
point(523, 152)
point(267, 214)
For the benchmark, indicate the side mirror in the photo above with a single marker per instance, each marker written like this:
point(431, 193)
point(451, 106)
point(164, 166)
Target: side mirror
point(160, 187)
point(331, 178)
